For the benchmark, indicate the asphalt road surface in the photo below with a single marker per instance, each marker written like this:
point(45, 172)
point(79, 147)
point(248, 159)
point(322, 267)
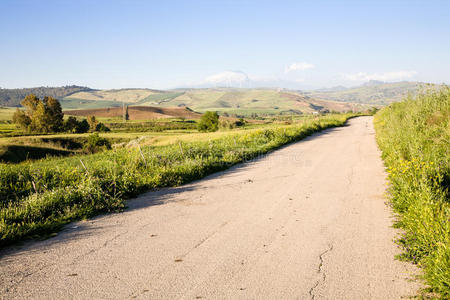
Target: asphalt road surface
point(308, 221)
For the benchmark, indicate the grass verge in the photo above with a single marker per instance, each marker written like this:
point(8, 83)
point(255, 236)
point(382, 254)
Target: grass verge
point(414, 136)
point(37, 198)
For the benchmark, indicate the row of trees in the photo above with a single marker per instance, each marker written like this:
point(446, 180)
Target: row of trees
point(40, 115)
point(46, 116)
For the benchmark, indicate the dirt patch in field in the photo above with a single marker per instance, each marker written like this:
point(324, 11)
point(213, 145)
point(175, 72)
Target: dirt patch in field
point(138, 112)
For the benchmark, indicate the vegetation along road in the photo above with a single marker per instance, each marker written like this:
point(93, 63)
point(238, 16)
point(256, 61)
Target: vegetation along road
point(308, 221)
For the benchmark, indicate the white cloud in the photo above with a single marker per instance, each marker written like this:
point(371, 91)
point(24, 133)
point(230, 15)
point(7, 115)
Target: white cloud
point(239, 79)
point(299, 66)
point(388, 76)
point(227, 77)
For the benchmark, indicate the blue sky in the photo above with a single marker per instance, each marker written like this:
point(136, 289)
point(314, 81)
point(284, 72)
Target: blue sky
point(165, 44)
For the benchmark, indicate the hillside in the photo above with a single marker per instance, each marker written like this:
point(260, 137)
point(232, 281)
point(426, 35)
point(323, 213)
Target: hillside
point(245, 101)
point(120, 95)
point(234, 101)
point(372, 92)
point(137, 112)
point(231, 100)
point(12, 97)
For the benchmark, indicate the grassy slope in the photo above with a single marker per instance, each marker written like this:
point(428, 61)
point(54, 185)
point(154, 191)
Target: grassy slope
point(157, 99)
point(414, 136)
point(37, 198)
point(231, 100)
point(248, 101)
point(122, 95)
point(223, 99)
point(74, 103)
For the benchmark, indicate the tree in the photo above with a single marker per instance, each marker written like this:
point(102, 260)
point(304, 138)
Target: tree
point(40, 116)
point(40, 121)
point(126, 116)
point(83, 126)
point(74, 126)
point(55, 115)
point(92, 123)
point(209, 122)
point(71, 124)
point(30, 103)
point(22, 119)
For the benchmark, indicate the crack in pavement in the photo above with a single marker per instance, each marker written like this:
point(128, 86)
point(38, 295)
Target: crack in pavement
point(320, 271)
point(202, 241)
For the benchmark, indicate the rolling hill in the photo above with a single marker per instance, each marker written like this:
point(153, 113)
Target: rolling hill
point(248, 101)
point(121, 95)
point(372, 92)
point(234, 101)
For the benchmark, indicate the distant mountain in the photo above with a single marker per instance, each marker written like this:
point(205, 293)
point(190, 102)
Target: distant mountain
point(332, 89)
point(12, 97)
point(373, 83)
point(373, 92)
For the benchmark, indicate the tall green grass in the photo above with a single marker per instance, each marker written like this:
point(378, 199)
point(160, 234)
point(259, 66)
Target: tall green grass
point(414, 136)
point(38, 197)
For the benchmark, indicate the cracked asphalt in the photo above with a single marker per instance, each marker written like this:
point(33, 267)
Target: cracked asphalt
point(308, 221)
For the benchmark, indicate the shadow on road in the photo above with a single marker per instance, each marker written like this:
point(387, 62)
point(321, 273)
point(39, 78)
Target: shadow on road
point(83, 229)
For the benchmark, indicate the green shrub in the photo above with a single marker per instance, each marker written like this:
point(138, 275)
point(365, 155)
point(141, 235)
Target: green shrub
point(101, 128)
point(95, 144)
point(414, 137)
point(74, 126)
point(209, 122)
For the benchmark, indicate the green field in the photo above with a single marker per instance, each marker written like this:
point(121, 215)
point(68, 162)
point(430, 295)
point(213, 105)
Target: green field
point(414, 136)
point(6, 113)
point(157, 99)
point(73, 103)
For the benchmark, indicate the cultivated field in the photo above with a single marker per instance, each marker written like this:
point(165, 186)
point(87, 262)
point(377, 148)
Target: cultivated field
point(137, 112)
point(123, 95)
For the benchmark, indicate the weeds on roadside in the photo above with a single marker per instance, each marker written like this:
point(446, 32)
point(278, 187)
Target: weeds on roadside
point(414, 136)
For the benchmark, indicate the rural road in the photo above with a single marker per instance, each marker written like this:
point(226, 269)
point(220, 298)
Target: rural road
point(305, 222)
